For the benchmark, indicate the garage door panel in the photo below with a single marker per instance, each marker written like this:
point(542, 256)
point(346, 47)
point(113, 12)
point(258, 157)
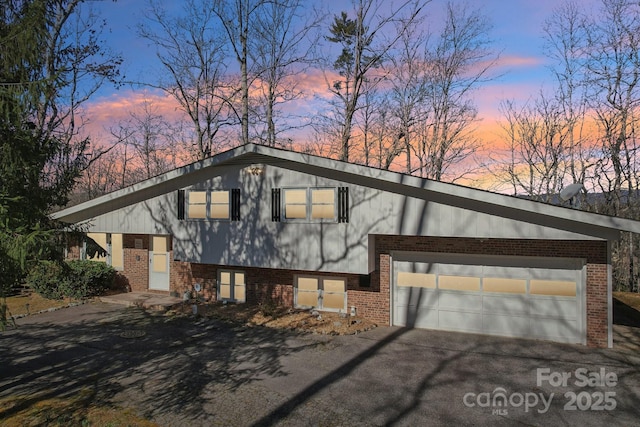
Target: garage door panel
point(459, 301)
point(508, 296)
point(418, 317)
point(458, 321)
point(554, 307)
point(459, 270)
point(553, 329)
point(503, 304)
point(417, 297)
point(513, 326)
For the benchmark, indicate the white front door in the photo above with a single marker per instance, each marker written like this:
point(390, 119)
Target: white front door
point(159, 263)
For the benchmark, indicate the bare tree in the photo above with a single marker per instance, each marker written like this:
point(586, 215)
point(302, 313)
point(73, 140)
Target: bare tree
point(191, 49)
point(613, 67)
point(365, 40)
point(408, 76)
point(538, 150)
point(458, 63)
point(237, 18)
point(280, 50)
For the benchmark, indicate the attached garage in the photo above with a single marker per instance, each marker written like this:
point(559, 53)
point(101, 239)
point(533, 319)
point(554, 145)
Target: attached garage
point(532, 297)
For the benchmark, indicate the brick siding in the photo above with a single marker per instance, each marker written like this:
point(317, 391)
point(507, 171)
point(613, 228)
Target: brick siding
point(371, 296)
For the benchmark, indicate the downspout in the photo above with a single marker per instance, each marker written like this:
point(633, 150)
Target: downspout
point(609, 297)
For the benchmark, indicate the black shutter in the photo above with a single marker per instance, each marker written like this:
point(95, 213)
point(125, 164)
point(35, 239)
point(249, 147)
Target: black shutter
point(181, 202)
point(343, 204)
point(275, 204)
point(235, 204)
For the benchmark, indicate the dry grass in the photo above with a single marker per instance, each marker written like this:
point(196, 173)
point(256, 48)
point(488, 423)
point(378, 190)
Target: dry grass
point(632, 299)
point(283, 318)
point(75, 411)
point(18, 304)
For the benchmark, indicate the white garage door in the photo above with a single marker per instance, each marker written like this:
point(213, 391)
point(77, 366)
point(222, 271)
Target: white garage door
point(510, 296)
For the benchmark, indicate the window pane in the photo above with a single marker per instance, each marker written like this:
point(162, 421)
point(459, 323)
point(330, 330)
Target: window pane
point(416, 280)
point(117, 256)
point(225, 291)
point(331, 285)
point(159, 263)
point(238, 292)
point(159, 244)
point(197, 197)
point(219, 211)
point(220, 197)
point(459, 283)
point(323, 196)
point(552, 287)
point(322, 212)
point(295, 196)
point(239, 278)
point(295, 211)
point(501, 285)
point(333, 301)
point(308, 283)
point(197, 211)
point(225, 277)
point(306, 298)
point(101, 240)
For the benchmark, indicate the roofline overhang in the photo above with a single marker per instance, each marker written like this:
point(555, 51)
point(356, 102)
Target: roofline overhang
point(563, 218)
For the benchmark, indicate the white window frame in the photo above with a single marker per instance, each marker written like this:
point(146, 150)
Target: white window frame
point(308, 204)
point(207, 205)
point(321, 291)
point(108, 259)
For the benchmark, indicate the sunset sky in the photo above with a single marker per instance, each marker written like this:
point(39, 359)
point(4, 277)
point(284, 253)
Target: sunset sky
point(517, 33)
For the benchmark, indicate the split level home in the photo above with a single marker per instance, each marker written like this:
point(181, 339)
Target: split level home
point(256, 224)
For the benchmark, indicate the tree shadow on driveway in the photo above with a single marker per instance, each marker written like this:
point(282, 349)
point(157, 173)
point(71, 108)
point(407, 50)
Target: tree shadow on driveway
point(162, 363)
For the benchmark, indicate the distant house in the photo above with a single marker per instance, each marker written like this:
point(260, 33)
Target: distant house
point(256, 223)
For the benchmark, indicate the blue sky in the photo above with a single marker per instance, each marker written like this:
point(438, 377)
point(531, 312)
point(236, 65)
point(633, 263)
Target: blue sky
point(517, 34)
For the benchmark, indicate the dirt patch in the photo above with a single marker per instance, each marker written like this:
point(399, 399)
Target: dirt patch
point(311, 321)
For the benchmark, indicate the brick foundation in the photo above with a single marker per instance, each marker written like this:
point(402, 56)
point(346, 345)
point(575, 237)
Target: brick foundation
point(371, 295)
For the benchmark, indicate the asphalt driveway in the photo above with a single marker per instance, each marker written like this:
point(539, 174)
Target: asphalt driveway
point(204, 372)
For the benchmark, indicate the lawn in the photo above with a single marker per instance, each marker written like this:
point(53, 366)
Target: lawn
point(32, 303)
point(632, 299)
point(74, 411)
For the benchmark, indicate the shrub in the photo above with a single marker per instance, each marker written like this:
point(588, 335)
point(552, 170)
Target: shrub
point(87, 279)
point(76, 279)
point(45, 277)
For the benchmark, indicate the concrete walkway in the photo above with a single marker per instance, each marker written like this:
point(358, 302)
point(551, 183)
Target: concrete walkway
point(145, 300)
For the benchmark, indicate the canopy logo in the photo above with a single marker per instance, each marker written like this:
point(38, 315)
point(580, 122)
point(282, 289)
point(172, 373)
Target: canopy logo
point(589, 397)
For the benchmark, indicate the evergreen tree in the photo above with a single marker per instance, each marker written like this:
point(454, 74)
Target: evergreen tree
point(50, 63)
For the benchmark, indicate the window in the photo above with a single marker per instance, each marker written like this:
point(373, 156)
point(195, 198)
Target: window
point(323, 203)
point(219, 205)
point(231, 286)
point(295, 204)
point(323, 293)
point(210, 204)
point(105, 247)
point(197, 204)
point(310, 204)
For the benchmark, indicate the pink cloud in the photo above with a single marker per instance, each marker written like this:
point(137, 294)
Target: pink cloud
point(104, 113)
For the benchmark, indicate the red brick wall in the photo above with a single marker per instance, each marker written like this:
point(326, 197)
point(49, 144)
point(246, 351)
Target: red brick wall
point(265, 284)
point(136, 262)
point(373, 301)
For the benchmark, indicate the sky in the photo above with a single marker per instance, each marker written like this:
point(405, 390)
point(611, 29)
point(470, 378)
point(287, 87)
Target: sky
point(517, 33)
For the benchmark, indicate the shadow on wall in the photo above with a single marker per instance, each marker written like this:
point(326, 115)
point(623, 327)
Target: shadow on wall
point(258, 241)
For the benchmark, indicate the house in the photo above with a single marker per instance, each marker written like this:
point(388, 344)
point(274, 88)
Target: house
point(256, 223)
